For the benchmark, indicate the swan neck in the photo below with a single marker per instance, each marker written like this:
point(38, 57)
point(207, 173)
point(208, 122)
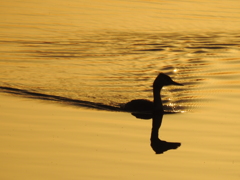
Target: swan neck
point(157, 98)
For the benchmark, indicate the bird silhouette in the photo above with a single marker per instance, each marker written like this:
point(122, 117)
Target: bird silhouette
point(142, 108)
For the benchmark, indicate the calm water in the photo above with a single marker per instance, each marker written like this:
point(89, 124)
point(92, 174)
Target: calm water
point(109, 52)
point(102, 53)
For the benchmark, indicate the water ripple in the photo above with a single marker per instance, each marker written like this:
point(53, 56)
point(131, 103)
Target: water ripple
point(111, 68)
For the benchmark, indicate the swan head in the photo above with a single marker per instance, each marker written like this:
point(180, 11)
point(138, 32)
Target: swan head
point(164, 80)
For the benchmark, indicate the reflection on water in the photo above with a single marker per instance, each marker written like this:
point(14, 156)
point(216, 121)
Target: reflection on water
point(157, 144)
point(102, 54)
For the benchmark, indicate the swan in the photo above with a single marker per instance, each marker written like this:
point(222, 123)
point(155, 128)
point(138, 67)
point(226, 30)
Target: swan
point(143, 105)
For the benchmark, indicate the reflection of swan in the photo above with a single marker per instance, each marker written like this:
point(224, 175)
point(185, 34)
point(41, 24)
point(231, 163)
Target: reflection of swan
point(157, 144)
point(160, 146)
point(142, 105)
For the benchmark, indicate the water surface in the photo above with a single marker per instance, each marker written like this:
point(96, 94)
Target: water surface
point(109, 52)
point(101, 54)
point(115, 67)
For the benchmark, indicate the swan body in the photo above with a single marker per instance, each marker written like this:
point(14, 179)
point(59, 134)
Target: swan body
point(142, 105)
point(139, 105)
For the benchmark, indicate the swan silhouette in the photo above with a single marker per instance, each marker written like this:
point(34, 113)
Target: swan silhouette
point(145, 106)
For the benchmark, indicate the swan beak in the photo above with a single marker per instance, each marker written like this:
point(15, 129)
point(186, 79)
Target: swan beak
point(175, 83)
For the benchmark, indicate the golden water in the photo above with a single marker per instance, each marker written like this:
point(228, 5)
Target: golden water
point(108, 53)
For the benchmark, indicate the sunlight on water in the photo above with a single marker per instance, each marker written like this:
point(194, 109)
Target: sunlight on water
point(114, 68)
point(101, 54)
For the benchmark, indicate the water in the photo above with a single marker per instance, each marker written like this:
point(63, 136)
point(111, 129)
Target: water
point(101, 55)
